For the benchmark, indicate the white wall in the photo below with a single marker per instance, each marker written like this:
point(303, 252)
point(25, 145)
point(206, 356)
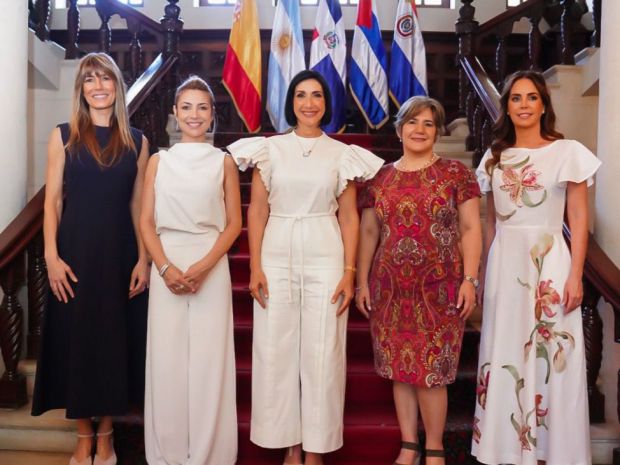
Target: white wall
point(219, 17)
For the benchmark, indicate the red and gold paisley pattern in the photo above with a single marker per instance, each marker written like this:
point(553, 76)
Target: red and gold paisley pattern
point(417, 271)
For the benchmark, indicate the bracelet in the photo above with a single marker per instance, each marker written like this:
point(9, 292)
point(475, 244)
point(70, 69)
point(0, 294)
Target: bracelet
point(350, 268)
point(359, 288)
point(163, 269)
point(472, 280)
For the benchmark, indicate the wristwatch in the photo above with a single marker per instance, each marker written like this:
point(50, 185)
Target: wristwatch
point(472, 280)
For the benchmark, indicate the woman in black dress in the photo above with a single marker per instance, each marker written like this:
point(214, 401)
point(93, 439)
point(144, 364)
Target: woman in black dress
point(95, 262)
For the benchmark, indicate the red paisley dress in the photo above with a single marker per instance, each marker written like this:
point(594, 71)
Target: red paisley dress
point(417, 271)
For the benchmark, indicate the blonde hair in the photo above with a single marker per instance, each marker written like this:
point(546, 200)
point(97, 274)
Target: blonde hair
point(81, 127)
point(414, 106)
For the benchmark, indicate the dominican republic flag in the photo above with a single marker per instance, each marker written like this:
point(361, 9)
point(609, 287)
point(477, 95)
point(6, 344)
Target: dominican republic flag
point(408, 66)
point(242, 67)
point(368, 71)
point(328, 56)
point(285, 60)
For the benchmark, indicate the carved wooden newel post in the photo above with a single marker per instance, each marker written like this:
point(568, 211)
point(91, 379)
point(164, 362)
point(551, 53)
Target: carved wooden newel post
point(38, 286)
point(173, 27)
point(73, 30)
point(13, 392)
point(466, 26)
point(593, 339)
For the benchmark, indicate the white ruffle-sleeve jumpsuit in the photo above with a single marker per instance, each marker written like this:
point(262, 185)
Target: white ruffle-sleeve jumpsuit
point(298, 352)
point(190, 414)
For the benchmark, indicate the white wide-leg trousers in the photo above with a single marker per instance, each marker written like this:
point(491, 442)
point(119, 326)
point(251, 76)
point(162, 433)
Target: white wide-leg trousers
point(190, 414)
point(299, 362)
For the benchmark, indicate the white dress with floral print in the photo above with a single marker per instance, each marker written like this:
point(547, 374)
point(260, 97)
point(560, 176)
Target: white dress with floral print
point(531, 394)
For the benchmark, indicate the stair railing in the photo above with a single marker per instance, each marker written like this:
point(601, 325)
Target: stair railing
point(601, 278)
point(471, 36)
point(21, 243)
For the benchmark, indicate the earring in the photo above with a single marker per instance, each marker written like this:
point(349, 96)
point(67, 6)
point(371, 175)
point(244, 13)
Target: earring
point(543, 112)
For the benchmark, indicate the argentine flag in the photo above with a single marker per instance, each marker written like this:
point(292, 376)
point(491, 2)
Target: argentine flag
point(368, 72)
point(285, 60)
point(328, 56)
point(408, 65)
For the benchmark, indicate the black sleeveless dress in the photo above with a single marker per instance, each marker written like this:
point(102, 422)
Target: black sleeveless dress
point(91, 360)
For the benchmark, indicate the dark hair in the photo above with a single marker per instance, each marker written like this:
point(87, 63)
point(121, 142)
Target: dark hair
point(289, 112)
point(504, 130)
point(194, 82)
point(414, 106)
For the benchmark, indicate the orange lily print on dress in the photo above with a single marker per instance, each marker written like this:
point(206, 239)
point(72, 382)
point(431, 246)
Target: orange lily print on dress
point(519, 179)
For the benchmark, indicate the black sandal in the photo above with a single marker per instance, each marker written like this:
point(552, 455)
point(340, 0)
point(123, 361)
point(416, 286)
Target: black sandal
point(435, 453)
point(414, 446)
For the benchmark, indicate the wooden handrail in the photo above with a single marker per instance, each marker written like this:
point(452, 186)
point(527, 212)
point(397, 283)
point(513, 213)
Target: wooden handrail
point(511, 15)
point(128, 13)
point(149, 79)
point(482, 85)
point(18, 234)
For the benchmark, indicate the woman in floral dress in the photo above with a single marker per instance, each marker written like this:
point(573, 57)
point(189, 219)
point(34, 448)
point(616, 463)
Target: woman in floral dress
point(421, 288)
point(531, 397)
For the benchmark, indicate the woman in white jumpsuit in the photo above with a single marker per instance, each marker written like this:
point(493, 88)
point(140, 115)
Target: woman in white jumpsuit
point(191, 216)
point(303, 228)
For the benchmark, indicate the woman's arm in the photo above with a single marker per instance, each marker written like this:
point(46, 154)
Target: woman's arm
point(349, 222)
point(57, 269)
point(577, 211)
point(258, 214)
point(139, 276)
point(232, 203)
point(370, 229)
point(471, 240)
point(173, 277)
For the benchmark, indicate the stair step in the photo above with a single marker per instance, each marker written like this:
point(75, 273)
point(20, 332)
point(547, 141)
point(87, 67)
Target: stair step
point(50, 432)
point(20, 457)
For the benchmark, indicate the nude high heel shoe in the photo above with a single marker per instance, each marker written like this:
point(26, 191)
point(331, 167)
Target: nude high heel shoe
point(290, 452)
point(88, 460)
point(111, 460)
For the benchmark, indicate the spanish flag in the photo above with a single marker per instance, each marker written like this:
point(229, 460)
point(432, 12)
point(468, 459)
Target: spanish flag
point(242, 68)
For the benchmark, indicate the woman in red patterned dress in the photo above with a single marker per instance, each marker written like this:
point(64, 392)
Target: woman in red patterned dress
point(418, 290)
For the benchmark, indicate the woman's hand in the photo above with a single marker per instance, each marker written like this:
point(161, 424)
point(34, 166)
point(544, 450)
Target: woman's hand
point(176, 282)
point(57, 272)
point(258, 287)
point(466, 299)
point(344, 288)
point(139, 278)
point(362, 300)
point(196, 275)
point(573, 293)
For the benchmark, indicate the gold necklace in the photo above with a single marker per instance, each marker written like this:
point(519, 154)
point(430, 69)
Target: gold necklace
point(426, 164)
point(306, 153)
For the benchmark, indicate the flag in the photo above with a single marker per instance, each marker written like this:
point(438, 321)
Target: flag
point(242, 67)
point(368, 72)
point(285, 60)
point(408, 65)
point(328, 56)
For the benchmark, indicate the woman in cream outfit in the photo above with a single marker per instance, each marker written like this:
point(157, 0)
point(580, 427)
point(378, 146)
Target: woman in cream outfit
point(190, 218)
point(303, 228)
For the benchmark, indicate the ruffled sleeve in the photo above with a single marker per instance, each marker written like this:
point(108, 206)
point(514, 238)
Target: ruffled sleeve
point(253, 152)
point(578, 164)
point(484, 180)
point(356, 164)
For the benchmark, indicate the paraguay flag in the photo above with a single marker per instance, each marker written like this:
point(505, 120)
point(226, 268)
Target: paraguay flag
point(408, 65)
point(368, 72)
point(328, 57)
point(285, 60)
point(242, 68)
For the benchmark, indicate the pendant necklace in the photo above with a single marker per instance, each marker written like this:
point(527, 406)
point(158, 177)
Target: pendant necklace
point(306, 153)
